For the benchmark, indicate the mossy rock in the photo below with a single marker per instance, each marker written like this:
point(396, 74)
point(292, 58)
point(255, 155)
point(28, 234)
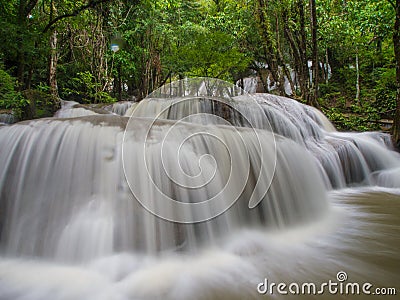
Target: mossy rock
point(42, 104)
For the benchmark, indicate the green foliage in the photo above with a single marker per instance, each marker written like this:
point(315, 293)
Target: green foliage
point(361, 120)
point(229, 39)
point(85, 89)
point(210, 54)
point(43, 87)
point(41, 104)
point(385, 102)
point(9, 98)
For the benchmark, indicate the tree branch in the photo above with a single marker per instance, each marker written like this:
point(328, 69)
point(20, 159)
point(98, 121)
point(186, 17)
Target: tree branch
point(165, 80)
point(90, 4)
point(392, 4)
point(29, 7)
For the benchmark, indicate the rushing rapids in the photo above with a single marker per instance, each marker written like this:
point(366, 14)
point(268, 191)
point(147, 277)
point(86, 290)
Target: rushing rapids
point(80, 193)
point(345, 159)
point(120, 108)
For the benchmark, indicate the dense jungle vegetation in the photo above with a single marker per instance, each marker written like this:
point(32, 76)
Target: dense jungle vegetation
point(98, 51)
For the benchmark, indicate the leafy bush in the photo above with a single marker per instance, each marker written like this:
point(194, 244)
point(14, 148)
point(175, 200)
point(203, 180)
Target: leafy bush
point(331, 96)
point(362, 119)
point(385, 101)
point(42, 104)
point(9, 98)
point(85, 89)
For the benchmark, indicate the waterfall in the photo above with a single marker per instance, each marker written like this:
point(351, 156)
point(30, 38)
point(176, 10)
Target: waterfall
point(250, 84)
point(345, 159)
point(81, 207)
point(196, 192)
point(72, 109)
point(120, 108)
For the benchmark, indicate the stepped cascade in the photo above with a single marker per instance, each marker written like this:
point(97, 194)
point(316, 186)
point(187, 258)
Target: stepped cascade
point(199, 172)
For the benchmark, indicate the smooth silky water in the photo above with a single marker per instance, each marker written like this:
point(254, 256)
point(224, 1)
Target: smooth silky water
point(79, 192)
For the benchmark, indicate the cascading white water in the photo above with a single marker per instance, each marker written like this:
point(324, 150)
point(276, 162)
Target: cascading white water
point(71, 109)
point(86, 210)
point(120, 108)
point(72, 195)
point(250, 84)
point(344, 158)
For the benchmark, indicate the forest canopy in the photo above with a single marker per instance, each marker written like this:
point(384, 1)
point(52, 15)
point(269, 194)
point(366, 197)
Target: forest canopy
point(337, 55)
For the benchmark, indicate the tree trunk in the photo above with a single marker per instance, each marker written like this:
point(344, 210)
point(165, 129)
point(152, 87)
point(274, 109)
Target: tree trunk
point(119, 82)
point(304, 75)
point(396, 44)
point(24, 9)
point(29, 80)
point(270, 45)
point(315, 63)
point(53, 59)
point(285, 71)
point(357, 81)
point(20, 45)
point(326, 66)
